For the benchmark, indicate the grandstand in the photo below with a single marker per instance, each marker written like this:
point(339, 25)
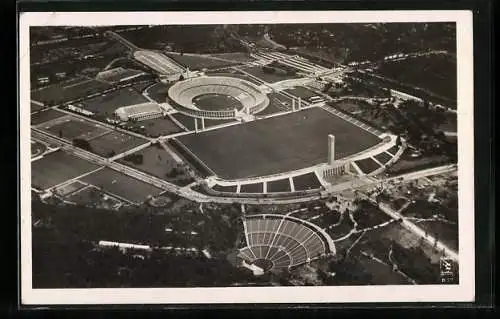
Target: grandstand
point(139, 112)
point(279, 242)
point(249, 96)
point(158, 62)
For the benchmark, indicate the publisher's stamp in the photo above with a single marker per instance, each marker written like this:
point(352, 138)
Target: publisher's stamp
point(448, 271)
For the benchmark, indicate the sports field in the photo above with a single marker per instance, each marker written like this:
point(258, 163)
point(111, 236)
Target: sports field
point(114, 142)
point(56, 168)
point(278, 144)
point(107, 103)
point(214, 101)
point(116, 183)
point(71, 127)
point(44, 116)
point(155, 127)
point(69, 90)
point(158, 162)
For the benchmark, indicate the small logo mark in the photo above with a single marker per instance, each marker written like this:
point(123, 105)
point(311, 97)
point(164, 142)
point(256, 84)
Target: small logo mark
point(447, 270)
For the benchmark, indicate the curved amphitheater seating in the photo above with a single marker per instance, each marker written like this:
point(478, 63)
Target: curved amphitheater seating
point(183, 93)
point(284, 242)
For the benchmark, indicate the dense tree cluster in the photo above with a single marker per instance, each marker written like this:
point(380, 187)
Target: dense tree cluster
point(83, 144)
point(359, 42)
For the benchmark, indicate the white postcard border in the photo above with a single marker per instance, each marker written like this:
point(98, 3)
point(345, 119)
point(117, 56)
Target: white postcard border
point(421, 293)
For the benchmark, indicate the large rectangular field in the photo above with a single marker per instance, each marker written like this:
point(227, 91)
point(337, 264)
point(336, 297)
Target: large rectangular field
point(79, 87)
point(70, 128)
point(44, 116)
point(116, 183)
point(106, 104)
point(114, 142)
point(158, 162)
point(278, 144)
point(56, 168)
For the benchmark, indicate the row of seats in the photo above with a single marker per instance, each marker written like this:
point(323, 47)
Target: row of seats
point(273, 238)
point(259, 224)
point(183, 92)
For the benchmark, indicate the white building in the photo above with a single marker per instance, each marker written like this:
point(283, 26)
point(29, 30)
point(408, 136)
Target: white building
point(139, 112)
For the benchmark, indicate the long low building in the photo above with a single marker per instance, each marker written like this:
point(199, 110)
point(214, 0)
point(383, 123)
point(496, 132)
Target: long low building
point(139, 112)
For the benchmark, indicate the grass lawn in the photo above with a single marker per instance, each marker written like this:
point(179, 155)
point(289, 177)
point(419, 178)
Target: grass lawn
point(278, 144)
point(116, 183)
point(57, 167)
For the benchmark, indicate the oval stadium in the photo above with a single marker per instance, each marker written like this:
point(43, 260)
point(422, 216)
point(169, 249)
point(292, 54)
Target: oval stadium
point(278, 242)
point(229, 94)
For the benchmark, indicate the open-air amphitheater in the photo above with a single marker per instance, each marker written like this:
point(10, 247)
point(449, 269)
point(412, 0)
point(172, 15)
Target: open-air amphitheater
point(278, 242)
point(249, 95)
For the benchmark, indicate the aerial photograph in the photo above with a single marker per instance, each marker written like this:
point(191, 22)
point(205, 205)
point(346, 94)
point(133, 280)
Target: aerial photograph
point(244, 155)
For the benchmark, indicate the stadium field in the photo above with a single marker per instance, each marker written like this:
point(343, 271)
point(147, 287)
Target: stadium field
point(121, 185)
point(213, 101)
point(70, 128)
point(267, 77)
point(306, 181)
point(278, 144)
point(35, 107)
point(194, 62)
point(44, 116)
point(282, 185)
point(188, 121)
point(156, 127)
point(68, 90)
point(56, 168)
point(114, 142)
point(158, 162)
point(107, 103)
